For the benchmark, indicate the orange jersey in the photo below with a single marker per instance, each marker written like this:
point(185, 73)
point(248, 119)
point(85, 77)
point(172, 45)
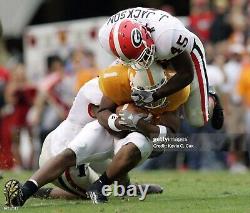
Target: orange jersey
point(114, 82)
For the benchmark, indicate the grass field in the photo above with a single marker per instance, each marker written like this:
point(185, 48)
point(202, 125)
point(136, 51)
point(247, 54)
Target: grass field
point(183, 192)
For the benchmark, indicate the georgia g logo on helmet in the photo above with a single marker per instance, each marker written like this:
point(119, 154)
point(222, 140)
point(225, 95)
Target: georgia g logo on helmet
point(136, 37)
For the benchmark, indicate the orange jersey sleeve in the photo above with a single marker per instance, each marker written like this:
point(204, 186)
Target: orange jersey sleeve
point(114, 83)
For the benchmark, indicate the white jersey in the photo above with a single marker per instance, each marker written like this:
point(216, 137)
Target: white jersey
point(90, 93)
point(169, 34)
point(78, 117)
point(74, 179)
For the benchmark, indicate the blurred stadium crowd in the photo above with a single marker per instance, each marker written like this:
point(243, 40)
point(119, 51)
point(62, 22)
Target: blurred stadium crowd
point(38, 109)
point(34, 110)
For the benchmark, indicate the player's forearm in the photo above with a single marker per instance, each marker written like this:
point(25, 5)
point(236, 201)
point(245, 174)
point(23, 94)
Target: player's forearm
point(108, 119)
point(153, 131)
point(176, 83)
point(184, 68)
point(147, 129)
point(103, 118)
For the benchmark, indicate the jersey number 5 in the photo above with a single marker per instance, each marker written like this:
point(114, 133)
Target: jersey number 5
point(182, 42)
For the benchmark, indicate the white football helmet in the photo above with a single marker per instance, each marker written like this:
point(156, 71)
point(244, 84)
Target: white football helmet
point(150, 79)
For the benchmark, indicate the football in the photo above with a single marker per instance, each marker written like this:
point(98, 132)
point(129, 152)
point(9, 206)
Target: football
point(132, 108)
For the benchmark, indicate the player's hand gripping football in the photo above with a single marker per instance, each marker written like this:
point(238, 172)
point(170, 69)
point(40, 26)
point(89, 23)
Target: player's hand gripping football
point(141, 97)
point(130, 117)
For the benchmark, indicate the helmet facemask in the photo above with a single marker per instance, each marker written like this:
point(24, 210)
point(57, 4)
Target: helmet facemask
point(145, 60)
point(157, 104)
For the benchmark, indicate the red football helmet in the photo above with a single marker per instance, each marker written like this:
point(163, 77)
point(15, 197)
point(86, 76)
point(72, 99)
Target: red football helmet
point(132, 42)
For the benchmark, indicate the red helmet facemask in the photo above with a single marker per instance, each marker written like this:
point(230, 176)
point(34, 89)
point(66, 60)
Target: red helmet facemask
point(132, 42)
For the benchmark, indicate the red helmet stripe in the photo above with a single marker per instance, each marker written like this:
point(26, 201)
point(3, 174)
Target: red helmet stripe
point(116, 41)
point(111, 42)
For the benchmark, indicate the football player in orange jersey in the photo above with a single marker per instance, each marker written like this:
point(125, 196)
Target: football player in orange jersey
point(116, 83)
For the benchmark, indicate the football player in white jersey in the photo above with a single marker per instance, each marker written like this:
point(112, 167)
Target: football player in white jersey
point(68, 149)
point(139, 36)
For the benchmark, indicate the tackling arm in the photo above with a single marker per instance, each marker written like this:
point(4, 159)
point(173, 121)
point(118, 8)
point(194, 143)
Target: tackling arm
point(169, 120)
point(183, 66)
point(148, 129)
point(105, 111)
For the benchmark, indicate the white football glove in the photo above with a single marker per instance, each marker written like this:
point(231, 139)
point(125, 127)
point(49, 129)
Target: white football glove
point(130, 119)
point(141, 97)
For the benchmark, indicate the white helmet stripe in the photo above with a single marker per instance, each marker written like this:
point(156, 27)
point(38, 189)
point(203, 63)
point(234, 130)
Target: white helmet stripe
point(116, 41)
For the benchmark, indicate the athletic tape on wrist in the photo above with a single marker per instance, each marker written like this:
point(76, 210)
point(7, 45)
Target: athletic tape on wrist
point(163, 131)
point(111, 122)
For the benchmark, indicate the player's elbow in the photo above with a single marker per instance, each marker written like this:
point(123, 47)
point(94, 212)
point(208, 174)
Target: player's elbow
point(102, 118)
point(184, 67)
point(188, 76)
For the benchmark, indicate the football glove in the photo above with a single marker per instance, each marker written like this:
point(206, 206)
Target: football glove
point(130, 119)
point(141, 97)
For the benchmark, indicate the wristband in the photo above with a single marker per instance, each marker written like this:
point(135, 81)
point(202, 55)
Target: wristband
point(111, 122)
point(163, 131)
